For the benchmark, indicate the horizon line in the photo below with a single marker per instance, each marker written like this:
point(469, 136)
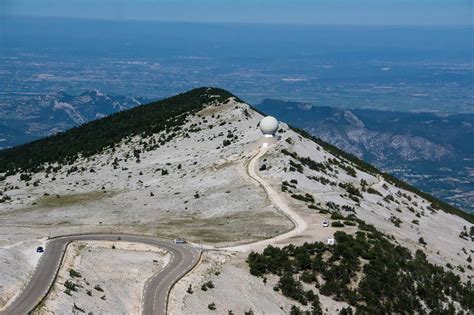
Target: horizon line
point(105, 19)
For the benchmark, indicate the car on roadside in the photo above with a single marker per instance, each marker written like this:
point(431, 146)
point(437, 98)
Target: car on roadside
point(179, 241)
point(325, 223)
point(40, 249)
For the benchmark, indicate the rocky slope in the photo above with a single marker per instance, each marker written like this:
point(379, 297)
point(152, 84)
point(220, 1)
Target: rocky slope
point(430, 150)
point(179, 167)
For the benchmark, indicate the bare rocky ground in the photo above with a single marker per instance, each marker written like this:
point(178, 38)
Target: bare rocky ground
point(18, 261)
point(234, 289)
point(109, 278)
point(197, 188)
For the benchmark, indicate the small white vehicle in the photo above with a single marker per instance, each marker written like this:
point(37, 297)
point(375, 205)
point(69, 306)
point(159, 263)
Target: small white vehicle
point(325, 223)
point(179, 241)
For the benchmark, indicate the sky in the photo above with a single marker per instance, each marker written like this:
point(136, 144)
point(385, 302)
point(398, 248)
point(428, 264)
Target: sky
point(339, 12)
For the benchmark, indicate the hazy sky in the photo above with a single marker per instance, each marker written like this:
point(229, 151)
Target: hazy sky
point(380, 12)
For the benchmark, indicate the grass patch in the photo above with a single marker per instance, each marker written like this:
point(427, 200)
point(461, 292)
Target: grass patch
point(240, 226)
point(72, 199)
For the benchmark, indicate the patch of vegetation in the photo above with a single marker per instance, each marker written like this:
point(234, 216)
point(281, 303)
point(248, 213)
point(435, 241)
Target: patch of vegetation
point(70, 285)
point(296, 167)
point(72, 199)
point(5, 198)
point(351, 190)
point(373, 191)
point(207, 285)
point(396, 221)
point(464, 234)
point(316, 166)
point(391, 279)
point(306, 198)
point(190, 289)
point(77, 308)
point(285, 185)
point(74, 274)
point(323, 180)
point(25, 177)
point(212, 306)
point(388, 198)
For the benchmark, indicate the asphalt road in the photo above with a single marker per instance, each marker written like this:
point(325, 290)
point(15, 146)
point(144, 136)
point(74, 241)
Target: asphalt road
point(155, 295)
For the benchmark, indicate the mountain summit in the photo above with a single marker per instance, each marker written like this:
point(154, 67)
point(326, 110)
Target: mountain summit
point(290, 226)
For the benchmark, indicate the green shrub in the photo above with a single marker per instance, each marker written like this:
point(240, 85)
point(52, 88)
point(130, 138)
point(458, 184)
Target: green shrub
point(212, 306)
point(373, 191)
point(70, 285)
point(207, 285)
point(25, 177)
point(74, 274)
point(305, 198)
point(337, 216)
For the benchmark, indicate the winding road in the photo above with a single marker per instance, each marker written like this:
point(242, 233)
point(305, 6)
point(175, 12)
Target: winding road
point(183, 256)
point(155, 296)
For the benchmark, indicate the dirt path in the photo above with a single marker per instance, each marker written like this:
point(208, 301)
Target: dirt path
point(275, 198)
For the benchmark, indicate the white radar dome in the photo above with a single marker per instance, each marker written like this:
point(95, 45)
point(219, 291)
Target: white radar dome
point(269, 126)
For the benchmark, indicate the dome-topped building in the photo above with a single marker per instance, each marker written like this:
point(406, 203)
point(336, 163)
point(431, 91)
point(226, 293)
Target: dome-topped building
point(269, 126)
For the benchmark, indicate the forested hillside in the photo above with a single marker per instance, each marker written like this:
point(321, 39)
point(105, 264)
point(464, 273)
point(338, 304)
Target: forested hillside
point(89, 139)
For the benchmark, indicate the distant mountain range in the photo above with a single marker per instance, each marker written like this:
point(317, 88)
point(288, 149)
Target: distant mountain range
point(432, 151)
point(48, 114)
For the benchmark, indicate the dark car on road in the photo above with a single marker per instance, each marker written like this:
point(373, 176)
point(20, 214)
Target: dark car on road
point(40, 249)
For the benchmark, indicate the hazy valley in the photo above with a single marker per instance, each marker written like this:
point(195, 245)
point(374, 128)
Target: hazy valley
point(32, 118)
